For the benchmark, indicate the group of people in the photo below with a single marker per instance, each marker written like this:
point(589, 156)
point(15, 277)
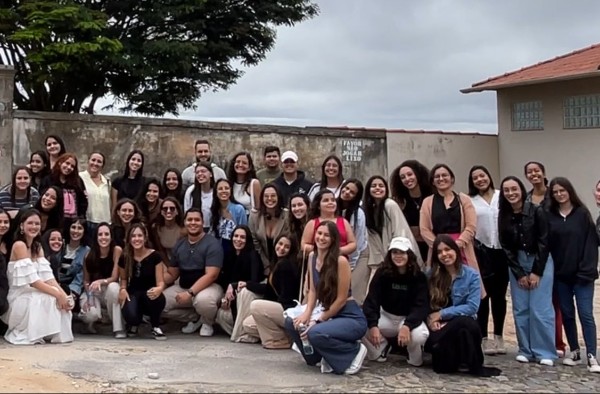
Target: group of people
point(337, 270)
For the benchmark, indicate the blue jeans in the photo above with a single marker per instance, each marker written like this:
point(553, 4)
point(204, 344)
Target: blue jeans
point(584, 297)
point(336, 340)
point(533, 312)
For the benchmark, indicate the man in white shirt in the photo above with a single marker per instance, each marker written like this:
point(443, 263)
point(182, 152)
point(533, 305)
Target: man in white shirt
point(203, 153)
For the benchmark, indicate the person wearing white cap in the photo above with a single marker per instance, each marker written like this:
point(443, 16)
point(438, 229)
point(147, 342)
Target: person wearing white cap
point(292, 180)
point(397, 305)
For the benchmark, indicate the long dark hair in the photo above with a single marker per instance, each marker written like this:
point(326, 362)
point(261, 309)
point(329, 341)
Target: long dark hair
point(440, 281)
point(328, 283)
point(251, 174)
point(55, 215)
point(349, 208)
point(473, 191)
point(141, 200)
point(13, 186)
point(280, 203)
point(552, 204)
point(140, 172)
point(60, 141)
point(36, 177)
point(375, 212)
point(137, 215)
point(297, 225)
point(36, 244)
point(399, 192)
point(160, 220)
point(249, 246)
point(215, 208)
point(315, 205)
point(323, 182)
point(92, 260)
point(80, 220)
point(128, 251)
point(390, 269)
point(178, 192)
point(197, 192)
point(505, 209)
point(292, 254)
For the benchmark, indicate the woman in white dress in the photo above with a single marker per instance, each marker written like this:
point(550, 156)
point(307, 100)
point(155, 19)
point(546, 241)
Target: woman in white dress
point(39, 309)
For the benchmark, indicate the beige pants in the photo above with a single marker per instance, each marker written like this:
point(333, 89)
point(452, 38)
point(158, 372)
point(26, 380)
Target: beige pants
point(204, 304)
point(389, 326)
point(267, 323)
point(360, 277)
point(109, 298)
point(243, 299)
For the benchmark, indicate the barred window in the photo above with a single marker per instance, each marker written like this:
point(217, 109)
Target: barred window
point(528, 115)
point(581, 112)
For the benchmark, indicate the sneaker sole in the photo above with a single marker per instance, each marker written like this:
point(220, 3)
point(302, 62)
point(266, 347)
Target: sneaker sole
point(571, 363)
point(160, 338)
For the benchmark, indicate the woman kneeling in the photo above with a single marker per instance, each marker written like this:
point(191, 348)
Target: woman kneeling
point(397, 304)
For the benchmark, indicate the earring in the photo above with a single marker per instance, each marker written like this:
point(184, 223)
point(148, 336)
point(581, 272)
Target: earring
point(21, 231)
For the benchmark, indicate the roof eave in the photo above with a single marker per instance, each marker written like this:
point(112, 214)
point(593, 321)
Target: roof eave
point(591, 74)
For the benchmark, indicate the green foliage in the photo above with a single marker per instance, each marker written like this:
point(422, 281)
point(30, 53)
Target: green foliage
point(153, 56)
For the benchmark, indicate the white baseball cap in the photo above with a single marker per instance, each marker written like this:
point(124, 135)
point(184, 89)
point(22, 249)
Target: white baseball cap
point(287, 155)
point(400, 243)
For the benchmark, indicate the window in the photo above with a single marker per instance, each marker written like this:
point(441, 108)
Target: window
point(582, 112)
point(528, 115)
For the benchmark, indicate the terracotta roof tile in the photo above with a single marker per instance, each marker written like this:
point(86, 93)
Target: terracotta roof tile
point(580, 63)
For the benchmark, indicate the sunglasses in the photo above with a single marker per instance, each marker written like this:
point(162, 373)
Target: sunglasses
point(168, 209)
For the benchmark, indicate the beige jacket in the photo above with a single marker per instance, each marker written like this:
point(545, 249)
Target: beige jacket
point(258, 228)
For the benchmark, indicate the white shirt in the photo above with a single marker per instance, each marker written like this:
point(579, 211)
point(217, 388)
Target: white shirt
point(487, 220)
point(207, 199)
point(98, 198)
point(242, 196)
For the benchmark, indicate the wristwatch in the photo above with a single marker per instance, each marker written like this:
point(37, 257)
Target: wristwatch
point(191, 292)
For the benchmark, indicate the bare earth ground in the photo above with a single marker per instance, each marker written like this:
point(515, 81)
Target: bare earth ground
point(187, 363)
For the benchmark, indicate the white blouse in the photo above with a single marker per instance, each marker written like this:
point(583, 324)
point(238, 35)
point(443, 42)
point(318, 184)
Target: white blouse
point(487, 220)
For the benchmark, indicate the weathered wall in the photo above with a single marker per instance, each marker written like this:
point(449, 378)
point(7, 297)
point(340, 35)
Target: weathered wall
point(459, 151)
point(572, 153)
point(7, 76)
point(171, 142)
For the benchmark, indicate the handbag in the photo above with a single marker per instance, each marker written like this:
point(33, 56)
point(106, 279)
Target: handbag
point(486, 265)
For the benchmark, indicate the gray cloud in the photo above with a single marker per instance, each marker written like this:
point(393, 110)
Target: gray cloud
point(400, 64)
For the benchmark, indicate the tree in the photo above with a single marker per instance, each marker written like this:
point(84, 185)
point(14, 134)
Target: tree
point(152, 56)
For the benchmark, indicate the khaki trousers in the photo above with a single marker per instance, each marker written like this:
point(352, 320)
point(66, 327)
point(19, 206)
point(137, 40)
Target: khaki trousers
point(204, 304)
point(361, 275)
point(267, 323)
point(243, 300)
point(109, 297)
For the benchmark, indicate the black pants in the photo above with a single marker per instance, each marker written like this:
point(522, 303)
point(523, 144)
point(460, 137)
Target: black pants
point(495, 286)
point(139, 305)
point(455, 345)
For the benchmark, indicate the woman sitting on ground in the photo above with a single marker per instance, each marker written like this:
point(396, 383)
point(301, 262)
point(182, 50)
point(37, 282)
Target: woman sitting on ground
point(335, 333)
point(397, 305)
point(454, 290)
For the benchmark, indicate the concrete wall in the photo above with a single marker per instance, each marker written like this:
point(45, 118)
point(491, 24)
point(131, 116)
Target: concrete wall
point(169, 143)
point(459, 151)
point(572, 153)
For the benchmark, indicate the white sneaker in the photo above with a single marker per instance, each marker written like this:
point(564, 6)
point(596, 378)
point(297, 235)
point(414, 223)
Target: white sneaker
point(488, 346)
point(547, 362)
point(207, 330)
point(572, 359)
point(191, 327)
point(120, 334)
point(358, 361)
point(500, 347)
point(325, 367)
point(593, 364)
point(295, 348)
point(522, 359)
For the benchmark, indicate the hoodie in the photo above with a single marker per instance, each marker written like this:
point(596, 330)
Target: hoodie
point(300, 185)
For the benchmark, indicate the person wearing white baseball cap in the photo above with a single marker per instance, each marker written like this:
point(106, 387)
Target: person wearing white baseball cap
point(397, 305)
point(292, 180)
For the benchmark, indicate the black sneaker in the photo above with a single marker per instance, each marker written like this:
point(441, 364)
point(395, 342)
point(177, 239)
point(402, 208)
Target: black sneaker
point(383, 356)
point(133, 331)
point(158, 334)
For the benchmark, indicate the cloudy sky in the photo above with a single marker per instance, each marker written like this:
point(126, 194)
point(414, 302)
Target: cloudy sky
point(400, 63)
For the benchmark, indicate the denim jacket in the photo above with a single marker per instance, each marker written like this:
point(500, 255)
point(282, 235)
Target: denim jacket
point(466, 295)
point(76, 270)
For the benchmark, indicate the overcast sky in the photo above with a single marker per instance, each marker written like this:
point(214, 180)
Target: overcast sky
point(400, 63)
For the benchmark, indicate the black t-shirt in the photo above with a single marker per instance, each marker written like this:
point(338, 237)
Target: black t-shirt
point(143, 274)
point(127, 187)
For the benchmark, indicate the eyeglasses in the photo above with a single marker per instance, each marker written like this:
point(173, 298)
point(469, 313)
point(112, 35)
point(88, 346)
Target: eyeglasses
point(168, 209)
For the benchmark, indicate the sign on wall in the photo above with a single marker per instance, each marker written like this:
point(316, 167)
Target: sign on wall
point(352, 150)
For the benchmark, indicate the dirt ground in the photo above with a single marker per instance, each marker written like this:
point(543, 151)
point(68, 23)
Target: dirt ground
point(19, 374)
